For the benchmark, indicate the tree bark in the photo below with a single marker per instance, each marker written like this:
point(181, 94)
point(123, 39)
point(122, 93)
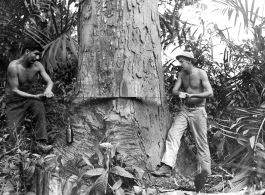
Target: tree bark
point(120, 51)
point(120, 86)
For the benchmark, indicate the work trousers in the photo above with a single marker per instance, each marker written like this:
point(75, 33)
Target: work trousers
point(16, 110)
point(196, 120)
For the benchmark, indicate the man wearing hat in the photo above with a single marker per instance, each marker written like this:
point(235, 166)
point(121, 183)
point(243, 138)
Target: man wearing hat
point(192, 115)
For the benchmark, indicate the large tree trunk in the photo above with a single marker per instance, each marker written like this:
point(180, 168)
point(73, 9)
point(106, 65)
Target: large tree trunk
point(120, 87)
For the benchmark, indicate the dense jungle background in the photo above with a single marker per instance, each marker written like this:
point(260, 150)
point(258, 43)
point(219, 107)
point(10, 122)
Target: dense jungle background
point(236, 113)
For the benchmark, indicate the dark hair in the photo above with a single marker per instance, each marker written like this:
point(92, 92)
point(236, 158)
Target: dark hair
point(32, 46)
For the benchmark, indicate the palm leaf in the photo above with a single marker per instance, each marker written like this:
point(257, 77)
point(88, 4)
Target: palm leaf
point(246, 5)
point(235, 154)
point(51, 55)
point(252, 10)
point(35, 37)
point(13, 23)
point(239, 186)
point(64, 54)
point(72, 46)
point(40, 32)
point(55, 50)
point(248, 128)
point(163, 20)
point(255, 17)
point(231, 6)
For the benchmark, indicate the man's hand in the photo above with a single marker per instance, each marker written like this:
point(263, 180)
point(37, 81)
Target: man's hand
point(48, 94)
point(189, 95)
point(182, 95)
point(40, 97)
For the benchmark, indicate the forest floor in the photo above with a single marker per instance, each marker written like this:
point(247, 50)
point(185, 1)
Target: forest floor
point(183, 183)
point(180, 182)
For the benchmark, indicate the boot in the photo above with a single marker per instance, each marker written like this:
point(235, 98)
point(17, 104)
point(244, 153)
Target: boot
point(43, 147)
point(200, 180)
point(163, 171)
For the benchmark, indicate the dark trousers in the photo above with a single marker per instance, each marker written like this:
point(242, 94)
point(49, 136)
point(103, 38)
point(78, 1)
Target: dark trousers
point(16, 110)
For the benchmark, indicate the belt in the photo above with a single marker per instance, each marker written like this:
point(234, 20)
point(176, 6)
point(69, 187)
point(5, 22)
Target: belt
point(193, 106)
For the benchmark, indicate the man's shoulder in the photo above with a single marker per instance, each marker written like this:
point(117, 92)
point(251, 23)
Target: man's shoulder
point(13, 65)
point(201, 71)
point(38, 65)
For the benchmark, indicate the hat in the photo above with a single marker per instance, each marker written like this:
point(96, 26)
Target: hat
point(187, 54)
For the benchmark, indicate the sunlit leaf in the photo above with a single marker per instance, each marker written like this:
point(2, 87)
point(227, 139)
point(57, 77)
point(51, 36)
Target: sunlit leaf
point(244, 173)
point(106, 145)
point(251, 132)
point(238, 128)
point(239, 186)
point(252, 141)
point(248, 119)
point(121, 172)
point(234, 125)
point(119, 191)
point(94, 172)
point(87, 161)
point(241, 109)
point(117, 185)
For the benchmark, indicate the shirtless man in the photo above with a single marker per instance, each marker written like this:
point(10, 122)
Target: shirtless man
point(19, 97)
point(192, 115)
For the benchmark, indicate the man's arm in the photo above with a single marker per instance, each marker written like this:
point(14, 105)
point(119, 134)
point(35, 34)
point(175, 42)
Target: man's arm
point(48, 91)
point(13, 83)
point(208, 91)
point(175, 90)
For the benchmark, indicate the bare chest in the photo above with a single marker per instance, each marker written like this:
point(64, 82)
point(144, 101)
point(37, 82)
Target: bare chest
point(26, 76)
point(192, 81)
